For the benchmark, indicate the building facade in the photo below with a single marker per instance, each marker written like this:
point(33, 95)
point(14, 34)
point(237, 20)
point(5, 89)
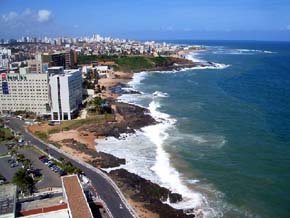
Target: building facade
point(66, 94)
point(24, 92)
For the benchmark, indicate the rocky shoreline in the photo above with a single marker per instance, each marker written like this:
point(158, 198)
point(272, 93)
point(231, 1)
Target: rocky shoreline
point(152, 196)
point(133, 118)
point(126, 119)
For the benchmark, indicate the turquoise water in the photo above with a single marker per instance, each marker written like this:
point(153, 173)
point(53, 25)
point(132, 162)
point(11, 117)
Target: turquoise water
point(231, 136)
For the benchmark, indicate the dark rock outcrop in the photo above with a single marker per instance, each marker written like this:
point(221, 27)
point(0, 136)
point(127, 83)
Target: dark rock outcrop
point(147, 192)
point(134, 117)
point(99, 159)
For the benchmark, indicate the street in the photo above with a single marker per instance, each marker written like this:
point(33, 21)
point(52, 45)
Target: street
point(105, 189)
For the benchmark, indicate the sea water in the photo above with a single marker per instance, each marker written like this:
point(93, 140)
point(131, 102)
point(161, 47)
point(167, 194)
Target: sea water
point(223, 137)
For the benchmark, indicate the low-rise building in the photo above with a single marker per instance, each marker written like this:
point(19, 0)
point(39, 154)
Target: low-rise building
point(7, 201)
point(75, 197)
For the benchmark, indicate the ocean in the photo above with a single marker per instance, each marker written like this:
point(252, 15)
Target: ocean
point(223, 140)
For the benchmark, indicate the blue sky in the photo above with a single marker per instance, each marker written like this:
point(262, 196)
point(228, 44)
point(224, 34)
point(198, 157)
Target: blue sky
point(148, 19)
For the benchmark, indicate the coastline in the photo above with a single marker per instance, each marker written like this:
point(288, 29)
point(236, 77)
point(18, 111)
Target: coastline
point(129, 118)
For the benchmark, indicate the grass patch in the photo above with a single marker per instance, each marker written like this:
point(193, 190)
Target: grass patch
point(130, 63)
point(41, 135)
point(56, 144)
point(74, 124)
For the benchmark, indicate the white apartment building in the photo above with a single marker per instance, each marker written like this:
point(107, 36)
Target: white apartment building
point(24, 92)
point(65, 93)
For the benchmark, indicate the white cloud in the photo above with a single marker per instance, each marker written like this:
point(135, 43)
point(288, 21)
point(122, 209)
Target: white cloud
point(43, 15)
point(27, 22)
point(10, 16)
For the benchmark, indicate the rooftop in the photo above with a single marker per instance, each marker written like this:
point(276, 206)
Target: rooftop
point(7, 199)
point(76, 199)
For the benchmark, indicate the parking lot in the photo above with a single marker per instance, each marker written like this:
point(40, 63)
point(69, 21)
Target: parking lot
point(6, 170)
point(50, 178)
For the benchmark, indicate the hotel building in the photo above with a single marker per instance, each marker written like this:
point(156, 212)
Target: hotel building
point(24, 92)
point(66, 93)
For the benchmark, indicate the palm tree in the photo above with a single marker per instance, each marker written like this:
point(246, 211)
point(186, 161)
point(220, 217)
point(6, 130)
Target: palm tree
point(26, 163)
point(20, 157)
point(13, 151)
point(24, 182)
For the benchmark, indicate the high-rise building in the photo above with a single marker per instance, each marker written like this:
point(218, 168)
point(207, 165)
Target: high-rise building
point(66, 94)
point(24, 92)
point(67, 59)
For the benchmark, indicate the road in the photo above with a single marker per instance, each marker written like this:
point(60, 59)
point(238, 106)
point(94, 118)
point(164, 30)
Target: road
point(104, 188)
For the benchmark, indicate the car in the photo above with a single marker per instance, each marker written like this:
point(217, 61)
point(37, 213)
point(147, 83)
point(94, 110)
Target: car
point(50, 164)
point(44, 160)
point(55, 168)
point(11, 160)
point(42, 157)
point(47, 162)
point(61, 173)
point(14, 165)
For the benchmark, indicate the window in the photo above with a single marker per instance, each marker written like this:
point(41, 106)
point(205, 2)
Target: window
point(65, 116)
point(55, 115)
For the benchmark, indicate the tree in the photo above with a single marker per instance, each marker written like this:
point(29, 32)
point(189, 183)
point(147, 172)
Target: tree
point(20, 157)
point(26, 163)
point(24, 181)
point(13, 151)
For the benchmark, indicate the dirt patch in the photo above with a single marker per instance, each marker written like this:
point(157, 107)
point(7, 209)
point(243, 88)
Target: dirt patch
point(83, 137)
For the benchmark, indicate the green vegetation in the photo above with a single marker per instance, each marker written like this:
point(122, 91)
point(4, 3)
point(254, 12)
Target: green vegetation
point(73, 124)
point(67, 166)
point(130, 63)
point(56, 144)
point(24, 181)
point(98, 106)
point(5, 134)
point(88, 59)
point(41, 135)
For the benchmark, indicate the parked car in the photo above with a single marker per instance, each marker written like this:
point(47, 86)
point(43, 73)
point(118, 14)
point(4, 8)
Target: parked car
point(14, 165)
point(42, 157)
point(11, 160)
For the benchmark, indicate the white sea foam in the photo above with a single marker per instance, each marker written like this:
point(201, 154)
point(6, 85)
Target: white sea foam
point(169, 177)
point(160, 94)
point(129, 89)
point(193, 181)
point(193, 57)
point(154, 163)
point(204, 64)
point(215, 66)
point(228, 51)
point(137, 79)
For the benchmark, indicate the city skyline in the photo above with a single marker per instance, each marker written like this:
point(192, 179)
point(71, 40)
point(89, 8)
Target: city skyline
point(223, 20)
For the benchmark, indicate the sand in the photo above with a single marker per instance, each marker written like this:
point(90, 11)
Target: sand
point(141, 211)
point(114, 79)
point(83, 137)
